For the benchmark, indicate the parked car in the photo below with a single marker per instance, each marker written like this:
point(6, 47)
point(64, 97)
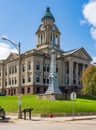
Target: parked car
point(2, 112)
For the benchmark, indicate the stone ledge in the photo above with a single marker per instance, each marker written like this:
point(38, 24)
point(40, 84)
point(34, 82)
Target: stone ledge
point(53, 96)
point(69, 114)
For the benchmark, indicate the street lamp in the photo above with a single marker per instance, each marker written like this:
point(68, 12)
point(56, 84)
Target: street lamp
point(19, 77)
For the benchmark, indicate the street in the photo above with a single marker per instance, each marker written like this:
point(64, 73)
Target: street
point(48, 124)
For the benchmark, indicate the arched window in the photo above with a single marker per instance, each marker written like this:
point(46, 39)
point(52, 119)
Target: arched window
point(53, 38)
point(56, 39)
point(39, 39)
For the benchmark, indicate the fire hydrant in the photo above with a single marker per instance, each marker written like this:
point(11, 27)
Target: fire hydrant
point(51, 115)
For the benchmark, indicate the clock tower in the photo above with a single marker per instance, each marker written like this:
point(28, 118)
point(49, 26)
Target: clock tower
point(47, 33)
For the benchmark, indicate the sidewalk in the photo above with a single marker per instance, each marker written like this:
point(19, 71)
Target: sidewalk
point(14, 119)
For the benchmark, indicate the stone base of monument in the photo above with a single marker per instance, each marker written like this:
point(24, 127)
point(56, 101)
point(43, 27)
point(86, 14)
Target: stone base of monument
point(53, 96)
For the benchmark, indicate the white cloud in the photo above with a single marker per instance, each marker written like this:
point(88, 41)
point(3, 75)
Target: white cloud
point(83, 22)
point(94, 60)
point(89, 12)
point(93, 32)
point(5, 50)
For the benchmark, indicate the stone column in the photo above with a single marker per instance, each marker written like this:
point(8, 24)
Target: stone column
point(83, 67)
point(70, 72)
point(77, 74)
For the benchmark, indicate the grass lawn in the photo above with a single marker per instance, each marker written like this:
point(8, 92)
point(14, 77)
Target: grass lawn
point(82, 104)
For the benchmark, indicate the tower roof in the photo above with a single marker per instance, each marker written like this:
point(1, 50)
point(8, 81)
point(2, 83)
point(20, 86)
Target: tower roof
point(48, 14)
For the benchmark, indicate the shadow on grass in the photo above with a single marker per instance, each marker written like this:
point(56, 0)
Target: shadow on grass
point(87, 97)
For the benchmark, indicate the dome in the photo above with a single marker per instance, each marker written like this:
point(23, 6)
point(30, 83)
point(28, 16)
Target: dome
point(48, 14)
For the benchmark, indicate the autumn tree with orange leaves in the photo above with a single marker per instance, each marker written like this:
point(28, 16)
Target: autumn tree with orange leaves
point(89, 81)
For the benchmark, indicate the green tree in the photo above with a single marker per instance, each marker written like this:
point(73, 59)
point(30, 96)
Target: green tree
point(89, 80)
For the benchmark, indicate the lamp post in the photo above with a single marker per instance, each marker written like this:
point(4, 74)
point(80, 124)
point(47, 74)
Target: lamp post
point(19, 77)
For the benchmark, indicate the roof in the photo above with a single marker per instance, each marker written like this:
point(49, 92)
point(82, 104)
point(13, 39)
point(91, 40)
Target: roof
point(68, 53)
point(48, 14)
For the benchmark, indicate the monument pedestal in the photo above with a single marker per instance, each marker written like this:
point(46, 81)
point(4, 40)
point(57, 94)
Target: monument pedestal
point(53, 96)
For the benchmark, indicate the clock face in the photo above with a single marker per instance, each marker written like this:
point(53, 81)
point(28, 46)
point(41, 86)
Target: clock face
point(42, 28)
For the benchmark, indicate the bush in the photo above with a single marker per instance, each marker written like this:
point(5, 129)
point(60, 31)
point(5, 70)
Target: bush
point(2, 94)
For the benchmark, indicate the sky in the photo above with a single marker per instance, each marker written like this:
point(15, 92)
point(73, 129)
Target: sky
point(20, 19)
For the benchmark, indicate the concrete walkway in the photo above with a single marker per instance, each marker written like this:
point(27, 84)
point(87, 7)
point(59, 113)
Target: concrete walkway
point(79, 123)
point(14, 118)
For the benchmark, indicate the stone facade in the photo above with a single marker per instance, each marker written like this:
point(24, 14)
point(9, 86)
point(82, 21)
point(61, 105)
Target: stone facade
point(35, 64)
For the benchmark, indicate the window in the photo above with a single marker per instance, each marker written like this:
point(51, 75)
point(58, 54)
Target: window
point(67, 68)
point(12, 80)
point(14, 91)
point(47, 67)
point(37, 66)
point(9, 81)
point(29, 66)
point(15, 80)
point(79, 83)
point(44, 67)
point(29, 78)
point(23, 67)
point(0, 72)
point(39, 39)
point(23, 79)
point(37, 78)
point(5, 82)
point(74, 81)
point(9, 70)
point(48, 80)
point(15, 68)
point(6, 71)
point(56, 39)
point(23, 91)
point(50, 36)
point(28, 90)
point(53, 38)
point(38, 90)
point(57, 69)
point(44, 79)
point(67, 81)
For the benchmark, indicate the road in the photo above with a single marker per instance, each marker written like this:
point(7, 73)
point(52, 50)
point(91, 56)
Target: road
point(48, 124)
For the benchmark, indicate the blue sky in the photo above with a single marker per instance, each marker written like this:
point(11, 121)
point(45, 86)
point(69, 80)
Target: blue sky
point(76, 20)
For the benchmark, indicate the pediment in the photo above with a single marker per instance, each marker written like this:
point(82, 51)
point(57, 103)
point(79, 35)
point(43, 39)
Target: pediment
point(82, 54)
point(12, 56)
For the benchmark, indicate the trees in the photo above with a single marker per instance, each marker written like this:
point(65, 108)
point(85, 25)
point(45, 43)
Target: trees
point(89, 80)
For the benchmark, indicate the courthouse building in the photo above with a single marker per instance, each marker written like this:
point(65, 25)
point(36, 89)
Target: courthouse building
point(35, 63)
